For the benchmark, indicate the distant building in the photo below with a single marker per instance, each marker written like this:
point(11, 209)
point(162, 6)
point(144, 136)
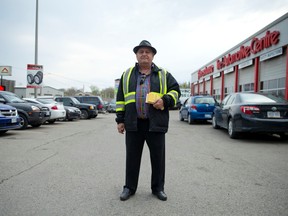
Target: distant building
point(257, 64)
point(8, 84)
point(44, 91)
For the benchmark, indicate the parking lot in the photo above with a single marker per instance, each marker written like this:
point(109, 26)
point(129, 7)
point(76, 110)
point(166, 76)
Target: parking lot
point(77, 168)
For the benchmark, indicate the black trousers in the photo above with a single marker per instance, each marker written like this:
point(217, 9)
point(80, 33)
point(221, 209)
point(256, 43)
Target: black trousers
point(134, 148)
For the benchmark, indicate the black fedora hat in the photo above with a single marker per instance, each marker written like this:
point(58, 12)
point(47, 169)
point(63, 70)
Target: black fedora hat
point(144, 43)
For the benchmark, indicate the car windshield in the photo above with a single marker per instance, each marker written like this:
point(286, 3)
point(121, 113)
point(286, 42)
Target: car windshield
point(204, 100)
point(256, 98)
point(75, 101)
point(13, 98)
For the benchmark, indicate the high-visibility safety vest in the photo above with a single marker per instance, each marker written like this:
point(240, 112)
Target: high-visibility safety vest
point(129, 97)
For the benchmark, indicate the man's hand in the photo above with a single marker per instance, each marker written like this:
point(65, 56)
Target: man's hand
point(159, 104)
point(121, 128)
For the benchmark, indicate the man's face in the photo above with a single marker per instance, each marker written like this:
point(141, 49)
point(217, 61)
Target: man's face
point(145, 55)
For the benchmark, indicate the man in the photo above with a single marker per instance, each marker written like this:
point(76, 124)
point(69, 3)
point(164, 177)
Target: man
point(145, 121)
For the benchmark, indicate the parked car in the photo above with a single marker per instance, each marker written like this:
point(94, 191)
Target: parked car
point(9, 118)
point(30, 114)
point(198, 107)
point(87, 110)
point(111, 108)
point(106, 104)
point(252, 112)
point(96, 100)
point(57, 109)
point(72, 113)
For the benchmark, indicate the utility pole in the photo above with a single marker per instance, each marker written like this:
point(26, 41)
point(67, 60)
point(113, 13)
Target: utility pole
point(36, 43)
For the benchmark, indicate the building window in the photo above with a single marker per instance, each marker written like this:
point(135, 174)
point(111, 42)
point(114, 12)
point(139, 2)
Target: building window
point(275, 87)
point(248, 87)
point(228, 90)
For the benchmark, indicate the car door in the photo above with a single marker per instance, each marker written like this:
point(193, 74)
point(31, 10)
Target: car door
point(219, 112)
point(184, 108)
point(226, 109)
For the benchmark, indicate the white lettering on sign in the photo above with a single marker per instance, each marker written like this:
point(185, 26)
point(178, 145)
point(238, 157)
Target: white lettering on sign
point(229, 70)
point(271, 54)
point(245, 64)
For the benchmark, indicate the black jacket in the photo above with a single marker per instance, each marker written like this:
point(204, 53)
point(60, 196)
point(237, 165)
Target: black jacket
point(158, 119)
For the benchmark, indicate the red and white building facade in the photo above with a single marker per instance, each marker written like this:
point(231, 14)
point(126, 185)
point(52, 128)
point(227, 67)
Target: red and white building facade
point(258, 64)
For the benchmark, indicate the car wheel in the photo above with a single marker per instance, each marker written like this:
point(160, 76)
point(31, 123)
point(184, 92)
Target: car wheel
point(231, 131)
point(84, 114)
point(190, 121)
point(23, 121)
point(180, 117)
point(214, 122)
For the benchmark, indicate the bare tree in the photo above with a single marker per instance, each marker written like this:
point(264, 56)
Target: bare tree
point(107, 93)
point(184, 85)
point(95, 90)
point(70, 91)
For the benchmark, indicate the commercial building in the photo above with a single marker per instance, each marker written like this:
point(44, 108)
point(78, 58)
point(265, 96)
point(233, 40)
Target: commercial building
point(258, 64)
point(44, 91)
point(7, 85)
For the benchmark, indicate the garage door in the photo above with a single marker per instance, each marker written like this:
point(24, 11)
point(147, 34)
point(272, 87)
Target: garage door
point(229, 81)
point(273, 68)
point(246, 75)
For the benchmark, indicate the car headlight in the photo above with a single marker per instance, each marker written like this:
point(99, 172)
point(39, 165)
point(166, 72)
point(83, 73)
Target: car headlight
point(35, 108)
point(71, 110)
point(91, 107)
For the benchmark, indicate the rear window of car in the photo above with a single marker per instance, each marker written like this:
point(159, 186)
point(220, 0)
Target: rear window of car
point(46, 101)
point(254, 98)
point(204, 100)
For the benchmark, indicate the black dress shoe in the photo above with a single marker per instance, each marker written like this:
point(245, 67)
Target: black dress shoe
point(160, 195)
point(125, 195)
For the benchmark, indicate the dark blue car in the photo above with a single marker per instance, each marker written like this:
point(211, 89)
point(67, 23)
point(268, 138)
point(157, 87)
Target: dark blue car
point(198, 107)
point(9, 118)
point(245, 112)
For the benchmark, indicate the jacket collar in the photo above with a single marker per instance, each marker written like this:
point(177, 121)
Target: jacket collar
point(154, 67)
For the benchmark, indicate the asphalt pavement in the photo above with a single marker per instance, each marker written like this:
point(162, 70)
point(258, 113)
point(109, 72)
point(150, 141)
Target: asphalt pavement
point(77, 168)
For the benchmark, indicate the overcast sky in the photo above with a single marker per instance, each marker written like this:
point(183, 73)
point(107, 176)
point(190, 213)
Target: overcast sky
point(90, 42)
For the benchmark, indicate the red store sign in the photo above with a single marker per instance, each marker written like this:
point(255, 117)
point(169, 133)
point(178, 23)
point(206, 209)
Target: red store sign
point(256, 45)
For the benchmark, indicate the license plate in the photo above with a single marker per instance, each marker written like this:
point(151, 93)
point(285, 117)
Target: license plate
point(13, 120)
point(275, 114)
point(207, 116)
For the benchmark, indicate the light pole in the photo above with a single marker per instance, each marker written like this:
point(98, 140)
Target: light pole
point(36, 43)
point(36, 34)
